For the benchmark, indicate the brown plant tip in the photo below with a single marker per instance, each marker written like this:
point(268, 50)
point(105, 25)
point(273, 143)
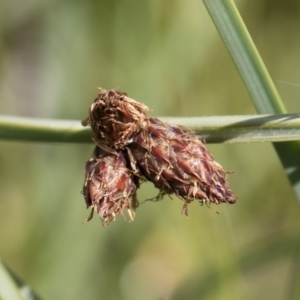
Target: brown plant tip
point(109, 186)
point(178, 163)
point(115, 119)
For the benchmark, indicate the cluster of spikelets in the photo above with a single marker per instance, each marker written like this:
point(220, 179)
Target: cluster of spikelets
point(132, 147)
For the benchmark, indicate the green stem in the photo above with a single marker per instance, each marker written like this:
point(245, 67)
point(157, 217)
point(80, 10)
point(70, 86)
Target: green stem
point(220, 129)
point(255, 76)
point(43, 130)
point(245, 56)
point(8, 288)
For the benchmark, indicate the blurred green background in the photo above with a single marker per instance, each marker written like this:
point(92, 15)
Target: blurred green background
point(167, 54)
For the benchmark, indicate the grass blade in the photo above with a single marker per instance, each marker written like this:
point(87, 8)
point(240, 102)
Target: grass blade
point(11, 287)
point(255, 76)
point(8, 287)
point(219, 129)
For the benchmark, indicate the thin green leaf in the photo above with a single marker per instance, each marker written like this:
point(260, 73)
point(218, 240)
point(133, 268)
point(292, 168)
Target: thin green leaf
point(245, 56)
point(42, 130)
point(221, 129)
point(255, 76)
point(8, 287)
point(11, 287)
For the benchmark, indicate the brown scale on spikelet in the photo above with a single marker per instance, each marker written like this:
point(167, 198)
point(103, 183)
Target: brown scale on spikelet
point(110, 186)
point(178, 163)
point(115, 119)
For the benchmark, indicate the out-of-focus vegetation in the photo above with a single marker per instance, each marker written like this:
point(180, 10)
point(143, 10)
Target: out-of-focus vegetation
point(167, 54)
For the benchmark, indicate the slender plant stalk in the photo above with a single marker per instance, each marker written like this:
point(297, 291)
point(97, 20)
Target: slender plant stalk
point(221, 129)
point(255, 76)
point(11, 287)
point(42, 130)
point(8, 287)
point(245, 56)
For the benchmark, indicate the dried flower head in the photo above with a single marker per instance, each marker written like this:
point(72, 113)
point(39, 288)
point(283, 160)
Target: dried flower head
point(109, 186)
point(132, 147)
point(115, 119)
point(178, 163)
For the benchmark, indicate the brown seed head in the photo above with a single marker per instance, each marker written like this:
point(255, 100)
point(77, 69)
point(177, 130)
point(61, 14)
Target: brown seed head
point(133, 147)
point(109, 185)
point(115, 119)
point(177, 162)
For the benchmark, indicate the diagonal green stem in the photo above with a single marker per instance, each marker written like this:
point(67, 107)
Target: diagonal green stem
point(245, 55)
point(11, 287)
point(221, 129)
point(255, 76)
point(8, 287)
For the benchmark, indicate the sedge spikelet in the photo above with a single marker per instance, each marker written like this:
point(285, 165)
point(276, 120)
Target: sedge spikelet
point(133, 147)
point(178, 163)
point(109, 186)
point(115, 119)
